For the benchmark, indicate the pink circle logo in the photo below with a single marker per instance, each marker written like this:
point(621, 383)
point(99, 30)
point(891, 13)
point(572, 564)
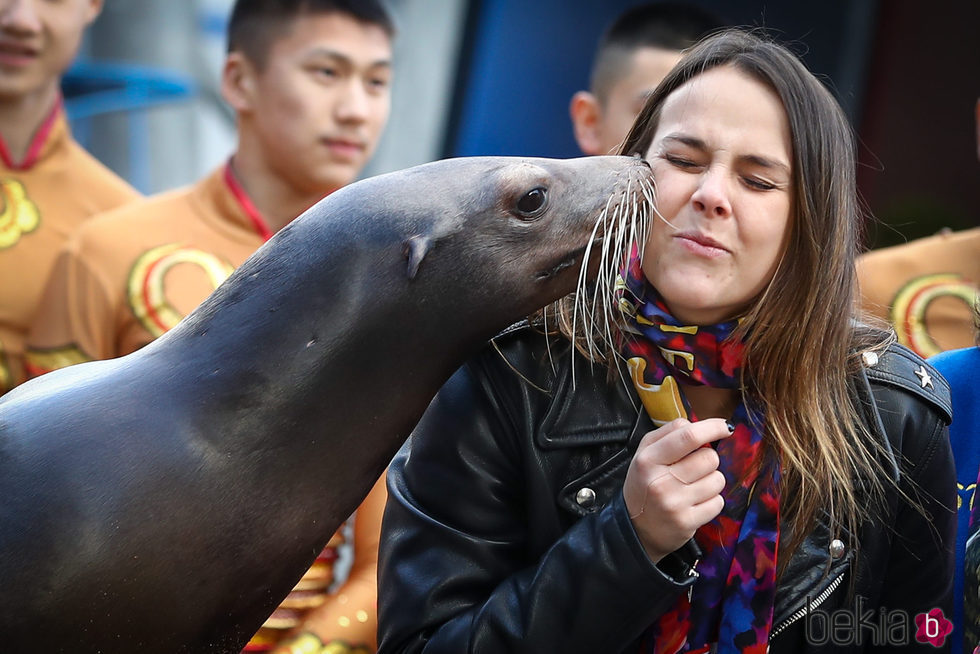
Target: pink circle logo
point(932, 627)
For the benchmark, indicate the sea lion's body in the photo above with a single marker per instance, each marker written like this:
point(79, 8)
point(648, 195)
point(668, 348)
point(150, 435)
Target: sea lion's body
point(167, 501)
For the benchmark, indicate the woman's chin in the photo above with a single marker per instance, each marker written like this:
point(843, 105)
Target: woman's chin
point(696, 306)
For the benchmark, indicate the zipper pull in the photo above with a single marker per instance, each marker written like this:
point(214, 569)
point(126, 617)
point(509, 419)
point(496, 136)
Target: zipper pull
point(692, 572)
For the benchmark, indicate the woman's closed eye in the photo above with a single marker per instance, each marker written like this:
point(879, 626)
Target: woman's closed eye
point(681, 162)
point(759, 184)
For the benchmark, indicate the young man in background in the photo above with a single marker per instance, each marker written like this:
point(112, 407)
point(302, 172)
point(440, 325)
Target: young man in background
point(49, 185)
point(635, 53)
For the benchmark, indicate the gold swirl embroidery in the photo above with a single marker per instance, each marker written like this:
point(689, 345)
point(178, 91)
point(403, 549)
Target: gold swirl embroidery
point(39, 361)
point(342, 647)
point(908, 311)
point(145, 287)
point(309, 643)
point(971, 489)
point(6, 376)
point(18, 213)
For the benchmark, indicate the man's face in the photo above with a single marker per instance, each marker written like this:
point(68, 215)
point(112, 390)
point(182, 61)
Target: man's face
point(627, 96)
point(38, 40)
point(321, 101)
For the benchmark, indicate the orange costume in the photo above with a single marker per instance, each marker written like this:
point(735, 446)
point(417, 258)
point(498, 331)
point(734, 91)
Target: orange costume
point(337, 597)
point(128, 276)
point(925, 289)
point(43, 199)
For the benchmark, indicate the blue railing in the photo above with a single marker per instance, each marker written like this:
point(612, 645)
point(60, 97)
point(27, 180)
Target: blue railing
point(96, 88)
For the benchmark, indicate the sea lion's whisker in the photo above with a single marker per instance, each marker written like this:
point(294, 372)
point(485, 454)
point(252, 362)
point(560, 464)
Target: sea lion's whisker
point(595, 308)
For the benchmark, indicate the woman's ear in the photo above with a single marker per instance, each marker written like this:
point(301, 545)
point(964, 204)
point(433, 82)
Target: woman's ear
point(93, 10)
point(238, 82)
point(586, 113)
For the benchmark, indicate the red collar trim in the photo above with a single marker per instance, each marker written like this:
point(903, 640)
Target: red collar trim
point(38, 141)
point(245, 203)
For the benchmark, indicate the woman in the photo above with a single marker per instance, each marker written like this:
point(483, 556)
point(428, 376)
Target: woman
point(767, 465)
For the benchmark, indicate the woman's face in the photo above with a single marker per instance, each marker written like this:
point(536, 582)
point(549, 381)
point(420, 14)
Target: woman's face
point(721, 158)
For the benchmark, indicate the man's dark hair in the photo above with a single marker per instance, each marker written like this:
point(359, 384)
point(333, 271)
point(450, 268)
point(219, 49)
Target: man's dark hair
point(665, 25)
point(255, 24)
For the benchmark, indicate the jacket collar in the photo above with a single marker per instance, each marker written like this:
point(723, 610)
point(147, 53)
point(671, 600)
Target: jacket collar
point(568, 422)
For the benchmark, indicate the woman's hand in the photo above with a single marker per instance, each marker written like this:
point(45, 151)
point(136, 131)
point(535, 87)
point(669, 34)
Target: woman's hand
point(673, 484)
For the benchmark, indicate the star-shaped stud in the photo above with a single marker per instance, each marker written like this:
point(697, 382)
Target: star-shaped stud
point(924, 377)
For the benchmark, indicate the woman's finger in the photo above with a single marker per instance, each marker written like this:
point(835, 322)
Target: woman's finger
point(699, 463)
point(677, 442)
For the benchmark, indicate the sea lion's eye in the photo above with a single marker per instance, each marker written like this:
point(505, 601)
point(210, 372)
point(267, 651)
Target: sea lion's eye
point(532, 202)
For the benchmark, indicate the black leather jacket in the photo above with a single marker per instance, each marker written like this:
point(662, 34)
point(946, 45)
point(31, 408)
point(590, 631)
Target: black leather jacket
point(506, 530)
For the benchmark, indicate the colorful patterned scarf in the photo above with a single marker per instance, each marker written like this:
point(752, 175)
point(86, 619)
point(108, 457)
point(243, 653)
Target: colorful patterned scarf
point(731, 602)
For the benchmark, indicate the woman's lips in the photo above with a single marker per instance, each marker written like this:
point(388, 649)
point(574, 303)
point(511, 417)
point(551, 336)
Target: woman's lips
point(701, 244)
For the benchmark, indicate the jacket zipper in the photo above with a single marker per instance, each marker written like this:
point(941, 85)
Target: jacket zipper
point(808, 607)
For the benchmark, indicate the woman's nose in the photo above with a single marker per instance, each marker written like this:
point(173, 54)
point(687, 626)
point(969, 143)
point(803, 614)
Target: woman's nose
point(711, 197)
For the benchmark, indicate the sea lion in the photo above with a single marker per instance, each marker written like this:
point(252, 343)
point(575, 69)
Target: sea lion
point(166, 501)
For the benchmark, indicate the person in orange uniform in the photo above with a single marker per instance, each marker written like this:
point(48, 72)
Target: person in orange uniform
point(926, 289)
point(309, 81)
point(48, 183)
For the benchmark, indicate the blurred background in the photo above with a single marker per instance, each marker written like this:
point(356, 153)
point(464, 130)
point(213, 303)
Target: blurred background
point(494, 77)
